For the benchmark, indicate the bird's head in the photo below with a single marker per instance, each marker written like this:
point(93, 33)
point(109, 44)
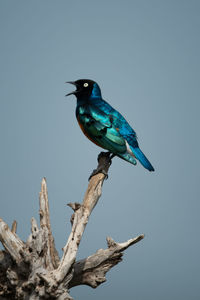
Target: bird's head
point(85, 89)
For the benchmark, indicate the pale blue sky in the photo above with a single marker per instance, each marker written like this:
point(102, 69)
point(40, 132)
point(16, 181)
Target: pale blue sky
point(145, 56)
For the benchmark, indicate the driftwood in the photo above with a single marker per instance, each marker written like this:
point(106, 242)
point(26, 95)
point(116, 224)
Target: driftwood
point(33, 270)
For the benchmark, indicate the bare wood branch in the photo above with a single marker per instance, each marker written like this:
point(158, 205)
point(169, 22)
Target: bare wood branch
point(123, 246)
point(91, 270)
point(14, 227)
point(11, 242)
point(52, 254)
point(32, 270)
point(81, 216)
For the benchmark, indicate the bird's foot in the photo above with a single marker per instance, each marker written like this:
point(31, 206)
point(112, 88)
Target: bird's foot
point(98, 171)
point(104, 162)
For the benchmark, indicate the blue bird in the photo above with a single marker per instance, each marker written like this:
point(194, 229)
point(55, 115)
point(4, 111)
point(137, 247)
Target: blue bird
point(104, 125)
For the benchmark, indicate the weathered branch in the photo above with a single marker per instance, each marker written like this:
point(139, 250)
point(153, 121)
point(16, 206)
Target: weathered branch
point(91, 270)
point(11, 242)
point(52, 254)
point(14, 227)
point(81, 216)
point(32, 270)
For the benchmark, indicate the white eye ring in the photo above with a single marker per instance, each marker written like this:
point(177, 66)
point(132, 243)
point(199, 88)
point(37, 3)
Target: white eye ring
point(85, 84)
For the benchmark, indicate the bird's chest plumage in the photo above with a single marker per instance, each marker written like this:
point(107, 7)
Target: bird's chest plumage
point(81, 115)
point(84, 119)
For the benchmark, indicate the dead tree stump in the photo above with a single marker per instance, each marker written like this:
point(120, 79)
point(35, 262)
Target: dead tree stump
point(33, 269)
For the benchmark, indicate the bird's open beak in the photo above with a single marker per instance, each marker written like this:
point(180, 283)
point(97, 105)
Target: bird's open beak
point(74, 92)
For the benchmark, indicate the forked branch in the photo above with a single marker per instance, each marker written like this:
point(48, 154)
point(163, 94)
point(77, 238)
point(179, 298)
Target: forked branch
point(33, 270)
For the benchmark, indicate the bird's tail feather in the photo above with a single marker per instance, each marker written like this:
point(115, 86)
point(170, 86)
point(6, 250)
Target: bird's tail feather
point(142, 159)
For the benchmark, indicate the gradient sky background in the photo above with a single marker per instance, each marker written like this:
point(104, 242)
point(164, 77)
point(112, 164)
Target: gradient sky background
point(145, 57)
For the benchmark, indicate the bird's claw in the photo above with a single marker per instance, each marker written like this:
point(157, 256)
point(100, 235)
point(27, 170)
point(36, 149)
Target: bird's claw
point(102, 167)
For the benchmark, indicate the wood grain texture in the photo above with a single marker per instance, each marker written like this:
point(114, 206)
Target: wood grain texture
point(33, 270)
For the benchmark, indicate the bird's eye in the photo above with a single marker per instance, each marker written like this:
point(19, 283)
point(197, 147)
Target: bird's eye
point(85, 84)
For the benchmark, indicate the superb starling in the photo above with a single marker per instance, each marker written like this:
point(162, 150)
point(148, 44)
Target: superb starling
point(104, 125)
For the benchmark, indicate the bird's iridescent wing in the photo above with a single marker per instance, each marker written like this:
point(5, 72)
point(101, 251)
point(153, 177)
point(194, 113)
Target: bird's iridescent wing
point(98, 127)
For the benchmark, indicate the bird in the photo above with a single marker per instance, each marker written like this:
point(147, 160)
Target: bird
point(104, 125)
